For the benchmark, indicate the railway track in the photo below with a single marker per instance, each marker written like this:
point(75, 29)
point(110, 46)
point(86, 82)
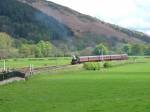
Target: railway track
point(50, 68)
point(29, 71)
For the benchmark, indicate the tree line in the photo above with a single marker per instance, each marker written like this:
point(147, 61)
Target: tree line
point(130, 49)
point(12, 48)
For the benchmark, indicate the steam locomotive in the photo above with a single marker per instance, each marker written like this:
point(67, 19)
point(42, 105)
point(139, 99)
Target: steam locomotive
point(82, 59)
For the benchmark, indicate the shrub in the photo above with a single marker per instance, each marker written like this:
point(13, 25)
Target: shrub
point(107, 64)
point(52, 58)
point(92, 66)
point(36, 59)
point(15, 59)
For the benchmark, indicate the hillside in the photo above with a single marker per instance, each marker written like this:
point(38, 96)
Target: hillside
point(37, 20)
point(84, 25)
point(23, 21)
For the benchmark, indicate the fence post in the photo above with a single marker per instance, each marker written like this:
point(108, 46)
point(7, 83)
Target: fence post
point(31, 69)
point(3, 76)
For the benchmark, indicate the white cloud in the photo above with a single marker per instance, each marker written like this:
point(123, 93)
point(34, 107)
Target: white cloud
point(134, 23)
point(147, 32)
point(127, 13)
point(112, 8)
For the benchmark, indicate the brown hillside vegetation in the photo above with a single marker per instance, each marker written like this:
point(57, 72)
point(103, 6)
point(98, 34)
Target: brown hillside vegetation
point(79, 23)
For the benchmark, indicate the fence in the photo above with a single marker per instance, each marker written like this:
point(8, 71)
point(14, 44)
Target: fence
point(7, 75)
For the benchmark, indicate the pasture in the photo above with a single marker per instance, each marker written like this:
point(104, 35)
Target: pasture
point(118, 89)
point(36, 62)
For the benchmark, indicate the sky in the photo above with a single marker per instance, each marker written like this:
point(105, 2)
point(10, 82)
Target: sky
point(133, 14)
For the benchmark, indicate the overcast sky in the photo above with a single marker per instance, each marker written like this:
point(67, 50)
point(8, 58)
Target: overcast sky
point(133, 14)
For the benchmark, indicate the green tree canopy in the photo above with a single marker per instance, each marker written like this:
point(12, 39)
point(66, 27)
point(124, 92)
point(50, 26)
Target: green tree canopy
point(137, 49)
point(5, 41)
point(43, 49)
point(25, 50)
point(147, 50)
point(127, 48)
point(100, 49)
point(5, 45)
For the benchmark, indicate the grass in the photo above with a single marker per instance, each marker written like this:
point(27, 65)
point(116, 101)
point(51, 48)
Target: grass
point(40, 62)
point(37, 62)
point(117, 89)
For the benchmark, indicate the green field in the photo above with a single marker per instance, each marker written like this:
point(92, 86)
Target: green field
point(124, 88)
point(36, 62)
point(40, 62)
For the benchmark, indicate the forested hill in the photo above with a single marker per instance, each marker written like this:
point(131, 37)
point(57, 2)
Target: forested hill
point(41, 20)
point(29, 22)
point(23, 21)
point(87, 26)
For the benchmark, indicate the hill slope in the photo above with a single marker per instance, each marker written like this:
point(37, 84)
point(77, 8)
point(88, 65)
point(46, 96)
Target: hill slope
point(42, 20)
point(86, 26)
point(21, 20)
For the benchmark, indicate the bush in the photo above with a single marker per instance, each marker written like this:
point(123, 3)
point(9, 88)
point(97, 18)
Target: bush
point(92, 66)
point(107, 64)
point(36, 59)
point(15, 59)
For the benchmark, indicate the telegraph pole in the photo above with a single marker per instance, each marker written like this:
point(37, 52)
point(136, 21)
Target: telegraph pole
point(4, 65)
point(102, 58)
point(102, 55)
point(99, 51)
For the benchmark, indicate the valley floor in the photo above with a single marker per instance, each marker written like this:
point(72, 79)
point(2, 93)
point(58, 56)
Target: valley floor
point(118, 89)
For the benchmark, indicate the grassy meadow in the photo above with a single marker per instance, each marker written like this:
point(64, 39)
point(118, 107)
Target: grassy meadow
point(124, 88)
point(36, 62)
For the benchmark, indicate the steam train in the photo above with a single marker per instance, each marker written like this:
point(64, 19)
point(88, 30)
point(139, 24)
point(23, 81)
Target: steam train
point(82, 59)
